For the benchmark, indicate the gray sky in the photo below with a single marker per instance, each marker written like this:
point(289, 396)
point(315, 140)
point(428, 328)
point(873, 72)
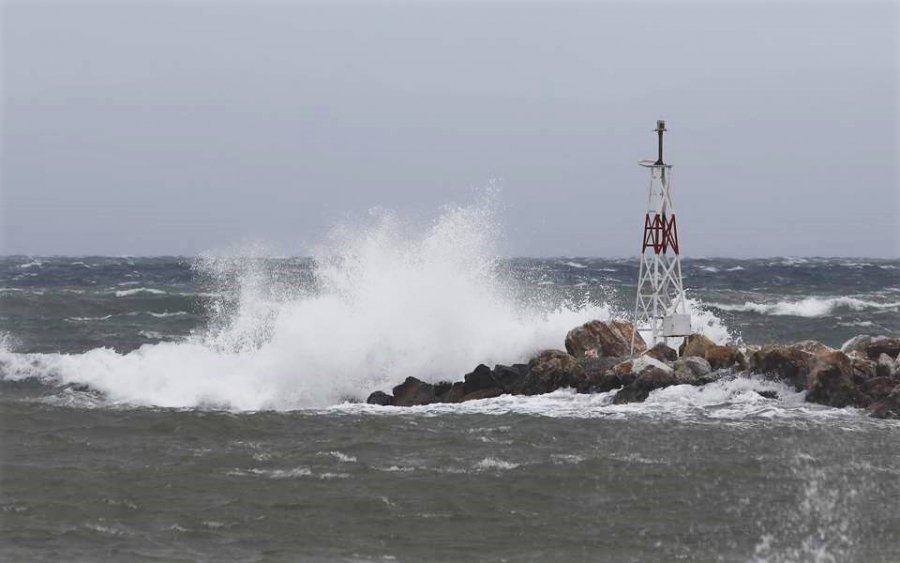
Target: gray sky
point(179, 127)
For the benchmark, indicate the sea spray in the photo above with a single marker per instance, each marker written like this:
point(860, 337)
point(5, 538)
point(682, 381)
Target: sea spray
point(385, 303)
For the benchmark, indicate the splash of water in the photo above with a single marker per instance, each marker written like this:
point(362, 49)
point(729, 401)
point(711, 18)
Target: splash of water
point(385, 303)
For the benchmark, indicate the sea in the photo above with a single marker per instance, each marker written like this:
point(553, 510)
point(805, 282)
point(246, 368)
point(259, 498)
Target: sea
point(212, 408)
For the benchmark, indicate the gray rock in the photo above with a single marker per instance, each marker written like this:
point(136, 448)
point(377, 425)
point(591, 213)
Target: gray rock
point(649, 379)
point(886, 366)
point(598, 375)
point(691, 369)
point(480, 378)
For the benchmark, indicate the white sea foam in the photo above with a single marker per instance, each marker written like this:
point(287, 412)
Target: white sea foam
point(88, 319)
point(293, 473)
point(807, 307)
point(730, 399)
point(575, 265)
point(139, 290)
point(342, 457)
point(388, 303)
point(494, 464)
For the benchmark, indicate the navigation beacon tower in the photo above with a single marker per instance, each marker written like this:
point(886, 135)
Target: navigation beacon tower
point(660, 311)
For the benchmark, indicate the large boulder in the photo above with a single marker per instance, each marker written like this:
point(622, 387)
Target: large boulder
point(692, 370)
point(414, 392)
point(504, 378)
point(695, 345)
point(455, 394)
point(873, 346)
point(651, 375)
point(886, 366)
point(380, 398)
point(507, 378)
point(830, 382)
point(861, 369)
point(479, 378)
point(783, 363)
point(598, 375)
point(878, 388)
point(856, 344)
point(599, 338)
point(889, 407)
point(549, 371)
point(725, 357)
point(662, 353)
point(883, 345)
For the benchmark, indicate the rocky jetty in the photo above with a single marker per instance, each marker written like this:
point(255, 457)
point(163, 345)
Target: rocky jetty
point(864, 373)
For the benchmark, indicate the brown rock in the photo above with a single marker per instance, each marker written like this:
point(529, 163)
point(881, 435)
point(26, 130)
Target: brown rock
point(861, 369)
point(612, 338)
point(724, 357)
point(873, 346)
point(782, 362)
point(888, 407)
point(549, 371)
point(662, 353)
point(882, 345)
point(830, 383)
point(878, 388)
point(695, 345)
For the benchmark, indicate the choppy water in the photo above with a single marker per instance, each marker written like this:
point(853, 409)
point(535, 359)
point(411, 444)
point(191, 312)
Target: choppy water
point(178, 409)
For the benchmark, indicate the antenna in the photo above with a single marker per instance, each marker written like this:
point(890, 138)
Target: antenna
point(660, 129)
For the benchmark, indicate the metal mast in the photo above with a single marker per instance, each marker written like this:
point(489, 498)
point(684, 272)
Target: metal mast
point(660, 311)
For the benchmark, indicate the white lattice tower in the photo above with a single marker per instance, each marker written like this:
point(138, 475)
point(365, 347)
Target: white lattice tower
point(660, 311)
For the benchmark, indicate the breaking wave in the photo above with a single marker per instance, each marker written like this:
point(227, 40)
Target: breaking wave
point(728, 399)
point(385, 303)
point(807, 307)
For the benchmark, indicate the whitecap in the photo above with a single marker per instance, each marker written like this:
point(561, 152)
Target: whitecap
point(492, 463)
point(139, 290)
point(807, 307)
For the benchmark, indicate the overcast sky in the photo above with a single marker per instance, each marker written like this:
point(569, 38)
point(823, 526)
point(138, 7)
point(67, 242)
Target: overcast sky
point(180, 127)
